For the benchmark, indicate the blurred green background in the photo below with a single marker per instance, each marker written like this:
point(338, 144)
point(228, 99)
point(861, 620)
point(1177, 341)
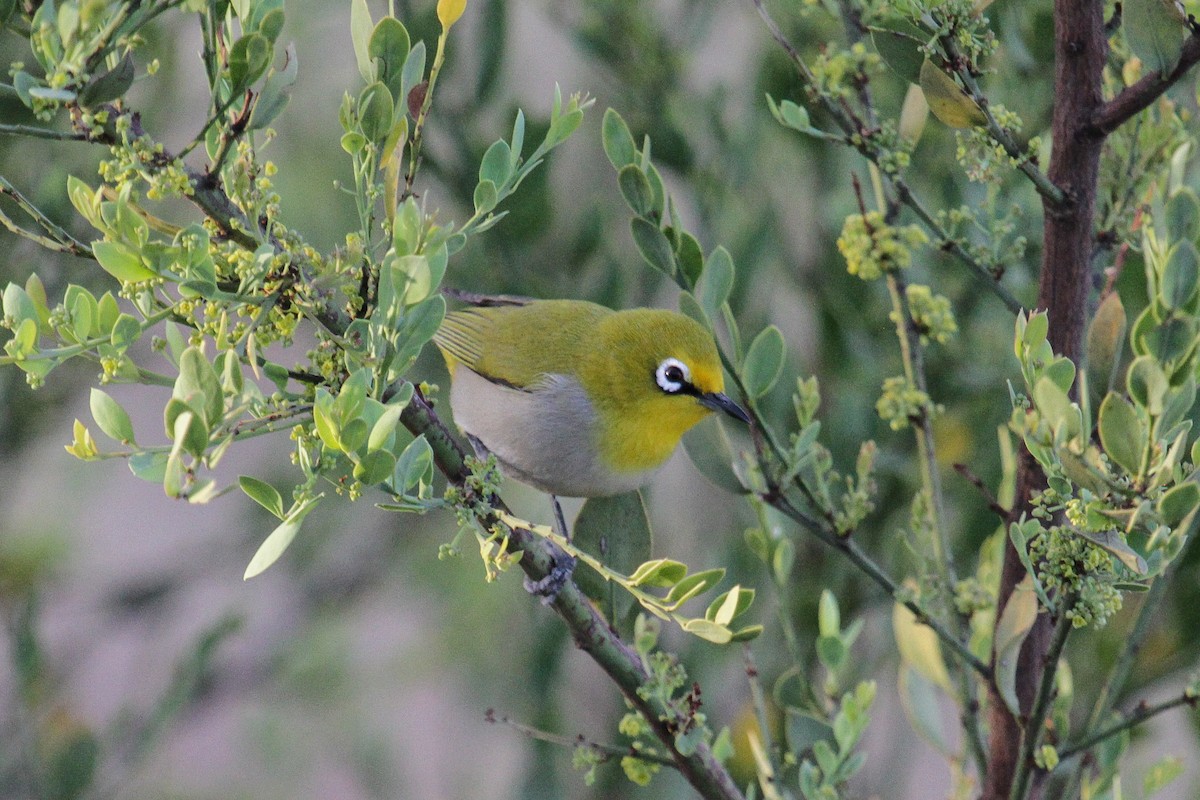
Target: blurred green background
point(361, 665)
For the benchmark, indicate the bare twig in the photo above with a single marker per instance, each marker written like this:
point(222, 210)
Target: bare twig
point(607, 751)
point(1139, 715)
point(1140, 95)
point(1031, 735)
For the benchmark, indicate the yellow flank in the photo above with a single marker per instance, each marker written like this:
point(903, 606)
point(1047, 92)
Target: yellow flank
point(633, 425)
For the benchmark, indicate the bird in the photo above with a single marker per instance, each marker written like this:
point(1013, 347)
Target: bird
point(574, 398)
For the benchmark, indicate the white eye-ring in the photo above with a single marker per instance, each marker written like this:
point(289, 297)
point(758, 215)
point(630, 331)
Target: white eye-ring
point(672, 375)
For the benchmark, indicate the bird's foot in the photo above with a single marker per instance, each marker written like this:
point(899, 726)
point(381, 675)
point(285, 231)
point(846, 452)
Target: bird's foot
point(560, 573)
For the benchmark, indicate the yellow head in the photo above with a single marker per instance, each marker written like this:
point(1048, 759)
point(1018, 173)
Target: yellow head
point(651, 375)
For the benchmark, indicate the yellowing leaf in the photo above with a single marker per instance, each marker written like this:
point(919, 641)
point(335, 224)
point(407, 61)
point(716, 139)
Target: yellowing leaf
point(1020, 612)
point(948, 102)
point(448, 12)
point(919, 647)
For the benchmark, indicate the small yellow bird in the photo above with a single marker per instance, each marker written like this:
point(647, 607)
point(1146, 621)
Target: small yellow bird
point(576, 399)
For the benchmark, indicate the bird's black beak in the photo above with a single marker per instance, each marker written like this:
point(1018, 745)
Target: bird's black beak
point(721, 402)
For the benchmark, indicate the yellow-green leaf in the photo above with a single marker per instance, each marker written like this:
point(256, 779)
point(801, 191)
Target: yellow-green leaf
point(919, 647)
point(948, 102)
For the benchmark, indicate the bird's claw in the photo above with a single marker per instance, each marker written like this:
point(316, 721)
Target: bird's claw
point(548, 587)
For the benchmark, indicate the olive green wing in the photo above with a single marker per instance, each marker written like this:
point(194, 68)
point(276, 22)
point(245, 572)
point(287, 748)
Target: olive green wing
point(519, 345)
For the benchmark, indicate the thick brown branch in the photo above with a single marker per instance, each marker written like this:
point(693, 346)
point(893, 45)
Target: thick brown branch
point(1140, 95)
point(1080, 53)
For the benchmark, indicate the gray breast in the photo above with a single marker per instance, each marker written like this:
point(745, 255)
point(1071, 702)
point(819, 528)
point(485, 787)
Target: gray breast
point(543, 436)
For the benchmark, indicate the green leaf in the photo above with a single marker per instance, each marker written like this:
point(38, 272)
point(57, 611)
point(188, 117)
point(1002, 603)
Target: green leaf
point(707, 445)
point(792, 116)
point(1180, 275)
point(729, 605)
point(1015, 622)
point(485, 197)
point(1105, 340)
point(384, 430)
point(803, 730)
point(110, 85)
point(412, 465)
point(654, 246)
point(353, 435)
point(901, 52)
point(276, 93)
point(111, 417)
point(18, 305)
point(150, 467)
point(197, 377)
point(635, 188)
point(948, 102)
point(1122, 433)
point(497, 163)
point(326, 420)
point(764, 362)
point(690, 308)
point(1035, 330)
point(1160, 774)
point(1179, 503)
point(662, 572)
point(1114, 543)
point(716, 282)
point(71, 766)
point(691, 257)
point(375, 467)
point(279, 539)
point(829, 616)
point(1154, 31)
point(269, 24)
point(248, 61)
point(388, 48)
point(709, 631)
point(190, 433)
point(361, 29)
point(414, 74)
point(121, 261)
point(695, 584)
point(617, 140)
point(262, 493)
point(1147, 385)
point(922, 706)
point(617, 531)
point(376, 112)
point(832, 652)
point(1183, 216)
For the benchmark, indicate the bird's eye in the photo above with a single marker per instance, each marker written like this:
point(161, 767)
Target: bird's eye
point(672, 375)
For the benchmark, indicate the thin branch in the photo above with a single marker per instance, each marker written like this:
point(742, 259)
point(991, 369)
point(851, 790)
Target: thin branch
point(760, 708)
point(592, 633)
point(992, 503)
point(1140, 95)
point(1031, 734)
point(949, 244)
point(1139, 715)
point(606, 750)
point(855, 130)
point(59, 240)
point(41, 133)
point(850, 549)
point(1001, 135)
